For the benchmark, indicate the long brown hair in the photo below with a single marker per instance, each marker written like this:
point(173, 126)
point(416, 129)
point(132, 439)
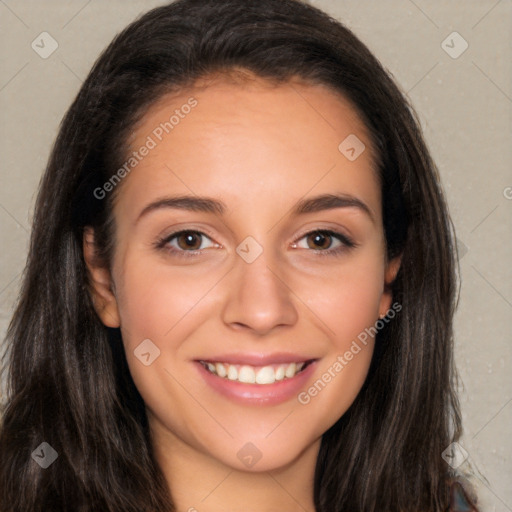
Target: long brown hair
point(68, 380)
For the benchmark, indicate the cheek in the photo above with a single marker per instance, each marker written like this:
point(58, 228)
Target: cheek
point(166, 306)
point(153, 300)
point(342, 372)
point(346, 301)
point(163, 306)
point(345, 307)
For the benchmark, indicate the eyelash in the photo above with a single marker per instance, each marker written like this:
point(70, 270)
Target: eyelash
point(347, 243)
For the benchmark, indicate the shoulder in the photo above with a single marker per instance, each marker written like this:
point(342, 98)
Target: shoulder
point(462, 498)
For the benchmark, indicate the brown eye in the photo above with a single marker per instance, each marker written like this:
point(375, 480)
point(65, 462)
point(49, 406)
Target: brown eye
point(326, 242)
point(189, 240)
point(319, 240)
point(185, 242)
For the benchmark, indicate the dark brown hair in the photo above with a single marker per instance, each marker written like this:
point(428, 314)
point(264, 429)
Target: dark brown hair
point(68, 380)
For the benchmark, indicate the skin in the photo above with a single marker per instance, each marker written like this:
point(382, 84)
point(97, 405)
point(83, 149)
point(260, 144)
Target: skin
point(259, 149)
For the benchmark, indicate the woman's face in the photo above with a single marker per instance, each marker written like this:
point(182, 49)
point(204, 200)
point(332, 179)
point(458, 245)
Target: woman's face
point(248, 288)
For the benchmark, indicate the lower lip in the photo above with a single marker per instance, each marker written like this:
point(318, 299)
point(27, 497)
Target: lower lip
point(258, 394)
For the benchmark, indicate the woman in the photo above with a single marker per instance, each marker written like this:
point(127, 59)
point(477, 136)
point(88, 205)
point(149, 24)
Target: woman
point(241, 281)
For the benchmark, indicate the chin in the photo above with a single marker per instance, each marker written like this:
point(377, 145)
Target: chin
point(261, 456)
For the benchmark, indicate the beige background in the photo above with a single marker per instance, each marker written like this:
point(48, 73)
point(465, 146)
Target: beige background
point(465, 106)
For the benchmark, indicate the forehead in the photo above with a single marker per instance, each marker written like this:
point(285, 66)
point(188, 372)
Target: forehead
point(245, 136)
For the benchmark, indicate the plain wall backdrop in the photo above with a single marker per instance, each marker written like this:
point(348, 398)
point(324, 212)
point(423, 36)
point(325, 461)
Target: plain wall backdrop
point(453, 59)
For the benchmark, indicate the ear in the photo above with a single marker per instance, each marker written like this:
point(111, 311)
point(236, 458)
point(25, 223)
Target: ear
point(391, 271)
point(101, 285)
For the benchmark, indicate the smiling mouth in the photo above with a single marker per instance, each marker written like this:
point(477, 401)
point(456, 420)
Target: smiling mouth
point(248, 374)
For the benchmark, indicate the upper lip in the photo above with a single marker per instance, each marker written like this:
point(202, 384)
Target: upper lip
point(257, 359)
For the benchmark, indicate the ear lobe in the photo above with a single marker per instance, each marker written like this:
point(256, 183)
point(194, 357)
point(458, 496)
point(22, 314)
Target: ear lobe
point(391, 272)
point(101, 285)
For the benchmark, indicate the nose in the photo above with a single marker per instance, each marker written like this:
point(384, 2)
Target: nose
point(258, 298)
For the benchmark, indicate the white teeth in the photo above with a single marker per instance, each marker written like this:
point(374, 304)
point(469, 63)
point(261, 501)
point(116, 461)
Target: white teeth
point(280, 373)
point(290, 370)
point(221, 370)
point(232, 373)
point(251, 375)
point(266, 375)
point(246, 374)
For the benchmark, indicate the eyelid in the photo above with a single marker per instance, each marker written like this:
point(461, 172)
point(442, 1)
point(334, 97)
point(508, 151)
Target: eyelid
point(346, 241)
point(163, 241)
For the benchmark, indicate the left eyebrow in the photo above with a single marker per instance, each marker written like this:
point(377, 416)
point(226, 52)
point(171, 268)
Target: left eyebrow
point(331, 202)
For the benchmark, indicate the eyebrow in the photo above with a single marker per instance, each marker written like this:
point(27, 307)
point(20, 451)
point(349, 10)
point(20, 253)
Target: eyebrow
point(304, 206)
